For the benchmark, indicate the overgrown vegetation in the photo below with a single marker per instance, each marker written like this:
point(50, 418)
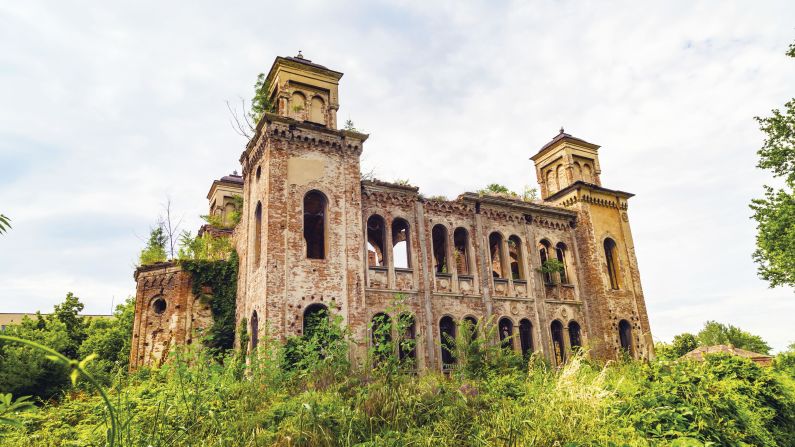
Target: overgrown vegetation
point(529, 194)
point(308, 393)
point(713, 333)
point(215, 282)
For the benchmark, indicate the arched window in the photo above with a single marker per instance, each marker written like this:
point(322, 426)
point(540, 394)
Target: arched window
point(376, 235)
point(257, 233)
point(315, 224)
point(439, 236)
point(625, 337)
point(461, 253)
point(558, 345)
point(401, 249)
point(560, 250)
point(552, 182)
point(297, 105)
point(561, 174)
point(495, 250)
point(315, 315)
point(254, 331)
point(611, 257)
point(447, 338)
point(575, 339)
point(587, 176)
point(316, 110)
point(543, 252)
point(505, 326)
point(526, 336)
point(517, 257)
point(578, 170)
point(381, 336)
point(470, 325)
point(407, 347)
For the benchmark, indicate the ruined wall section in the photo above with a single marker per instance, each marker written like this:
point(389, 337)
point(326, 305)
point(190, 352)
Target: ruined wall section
point(166, 314)
point(294, 160)
point(602, 215)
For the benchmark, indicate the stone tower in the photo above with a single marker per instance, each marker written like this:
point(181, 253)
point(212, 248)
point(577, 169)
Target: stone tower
point(300, 236)
point(569, 176)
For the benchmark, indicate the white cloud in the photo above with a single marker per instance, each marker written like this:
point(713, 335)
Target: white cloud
point(107, 109)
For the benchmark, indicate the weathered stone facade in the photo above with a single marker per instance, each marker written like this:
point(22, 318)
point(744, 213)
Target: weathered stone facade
point(314, 235)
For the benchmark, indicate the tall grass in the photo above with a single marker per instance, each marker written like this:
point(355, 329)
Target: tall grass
point(278, 398)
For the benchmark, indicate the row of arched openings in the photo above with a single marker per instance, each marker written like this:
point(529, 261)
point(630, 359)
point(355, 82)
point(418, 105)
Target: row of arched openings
point(558, 342)
point(505, 327)
point(377, 255)
point(382, 330)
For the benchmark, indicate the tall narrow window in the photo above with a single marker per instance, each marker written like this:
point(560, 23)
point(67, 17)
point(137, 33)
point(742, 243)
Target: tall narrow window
point(543, 252)
point(439, 236)
point(517, 259)
point(447, 339)
point(505, 327)
point(257, 233)
point(575, 338)
point(495, 250)
point(297, 105)
point(376, 233)
point(381, 336)
point(315, 224)
point(558, 345)
point(625, 337)
point(254, 331)
point(401, 253)
point(471, 326)
point(461, 253)
point(560, 250)
point(611, 257)
point(315, 316)
point(526, 336)
point(407, 348)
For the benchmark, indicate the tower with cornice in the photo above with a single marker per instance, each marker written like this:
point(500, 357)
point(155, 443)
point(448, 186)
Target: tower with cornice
point(569, 176)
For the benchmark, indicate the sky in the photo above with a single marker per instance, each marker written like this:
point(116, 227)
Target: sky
point(107, 109)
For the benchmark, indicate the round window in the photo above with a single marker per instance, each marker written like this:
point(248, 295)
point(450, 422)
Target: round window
point(159, 306)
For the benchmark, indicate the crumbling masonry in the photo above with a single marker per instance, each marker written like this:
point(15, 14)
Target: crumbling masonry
point(313, 237)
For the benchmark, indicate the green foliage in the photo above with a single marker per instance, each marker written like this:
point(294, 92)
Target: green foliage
point(775, 213)
point(155, 250)
point(206, 247)
point(5, 223)
point(109, 340)
point(681, 345)
point(220, 277)
point(785, 361)
point(496, 189)
point(551, 269)
point(350, 126)
point(715, 333)
point(261, 102)
point(529, 194)
point(9, 406)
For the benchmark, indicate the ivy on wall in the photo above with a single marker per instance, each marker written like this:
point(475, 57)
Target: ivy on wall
point(221, 279)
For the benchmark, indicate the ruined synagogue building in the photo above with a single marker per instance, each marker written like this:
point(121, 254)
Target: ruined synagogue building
point(314, 237)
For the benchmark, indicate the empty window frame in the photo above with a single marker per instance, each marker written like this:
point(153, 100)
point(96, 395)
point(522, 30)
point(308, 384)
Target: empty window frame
point(315, 316)
point(495, 251)
point(381, 336)
point(526, 336)
point(543, 252)
point(447, 340)
point(407, 346)
point(401, 248)
point(516, 254)
point(560, 251)
point(439, 238)
point(558, 345)
point(461, 250)
point(315, 224)
point(317, 109)
point(611, 257)
point(505, 326)
point(575, 336)
point(625, 337)
point(470, 324)
point(257, 233)
point(376, 241)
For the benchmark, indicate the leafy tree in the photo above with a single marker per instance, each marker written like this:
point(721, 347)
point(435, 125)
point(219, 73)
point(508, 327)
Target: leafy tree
point(261, 102)
point(496, 188)
point(683, 343)
point(715, 333)
point(110, 340)
point(155, 250)
point(785, 361)
point(68, 313)
point(775, 213)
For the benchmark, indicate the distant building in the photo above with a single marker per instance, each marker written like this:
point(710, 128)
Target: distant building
point(699, 353)
point(7, 319)
point(315, 237)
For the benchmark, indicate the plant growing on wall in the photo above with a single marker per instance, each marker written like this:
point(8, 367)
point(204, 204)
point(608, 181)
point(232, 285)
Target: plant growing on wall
point(551, 269)
point(155, 250)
